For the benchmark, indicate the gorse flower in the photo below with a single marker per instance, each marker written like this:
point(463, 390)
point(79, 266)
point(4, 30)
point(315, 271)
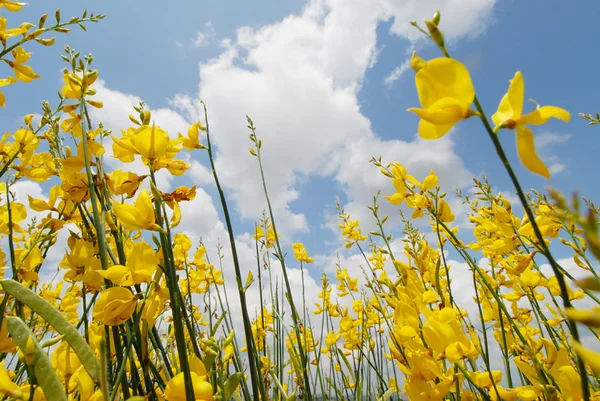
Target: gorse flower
point(446, 93)
point(510, 116)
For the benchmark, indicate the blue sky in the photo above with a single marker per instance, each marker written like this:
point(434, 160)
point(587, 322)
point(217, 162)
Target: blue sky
point(315, 83)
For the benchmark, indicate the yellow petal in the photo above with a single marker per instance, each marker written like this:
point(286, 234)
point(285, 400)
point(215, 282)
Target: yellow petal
point(151, 142)
point(118, 274)
point(511, 105)
point(431, 131)
point(444, 111)
point(395, 199)
point(543, 114)
point(588, 317)
point(590, 357)
point(527, 154)
point(129, 216)
point(39, 205)
point(444, 77)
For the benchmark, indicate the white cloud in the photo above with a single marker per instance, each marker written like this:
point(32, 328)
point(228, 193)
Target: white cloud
point(544, 143)
point(299, 79)
point(397, 72)
point(206, 36)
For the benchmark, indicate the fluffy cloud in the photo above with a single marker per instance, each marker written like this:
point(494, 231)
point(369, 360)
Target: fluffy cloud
point(299, 80)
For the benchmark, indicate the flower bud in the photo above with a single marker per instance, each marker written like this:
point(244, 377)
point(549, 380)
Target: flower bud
point(133, 119)
point(26, 26)
point(29, 353)
point(435, 33)
point(46, 42)
point(147, 116)
point(436, 17)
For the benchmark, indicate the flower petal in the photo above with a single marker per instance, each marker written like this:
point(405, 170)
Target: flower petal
point(431, 131)
point(444, 111)
point(511, 105)
point(526, 150)
point(444, 77)
point(543, 114)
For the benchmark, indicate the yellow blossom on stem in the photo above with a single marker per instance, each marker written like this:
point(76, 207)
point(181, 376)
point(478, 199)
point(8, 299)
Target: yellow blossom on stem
point(139, 216)
point(23, 72)
point(175, 390)
point(510, 115)
point(446, 93)
point(10, 5)
point(300, 253)
point(114, 306)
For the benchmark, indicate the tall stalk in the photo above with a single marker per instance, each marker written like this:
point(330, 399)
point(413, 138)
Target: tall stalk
point(257, 384)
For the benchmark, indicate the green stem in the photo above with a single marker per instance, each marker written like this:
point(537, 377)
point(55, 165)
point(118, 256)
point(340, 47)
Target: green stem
point(254, 376)
point(303, 358)
point(556, 269)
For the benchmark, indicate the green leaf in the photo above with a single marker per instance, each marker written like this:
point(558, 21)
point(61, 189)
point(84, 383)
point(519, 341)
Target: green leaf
point(53, 317)
point(42, 369)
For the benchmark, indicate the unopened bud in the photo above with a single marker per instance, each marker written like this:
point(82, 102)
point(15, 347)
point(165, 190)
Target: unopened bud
point(29, 353)
point(435, 33)
point(134, 120)
point(36, 33)
point(46, 42)
point(147, 115)
point(436, 17)
point(26, 26)
point(28, 118)
point(96, 103)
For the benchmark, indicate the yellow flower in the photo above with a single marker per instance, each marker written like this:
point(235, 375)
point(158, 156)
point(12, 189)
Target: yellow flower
point(590, 357)
point(510, 115)
point(76, 86)
point(139, 216)
point(446, 93)
point(4, 82)
point(151, 142)
point(125, 182)
point(175, 390)
point(7, 386)
point(300, 253)
point(13, 6)
point(114, 306)
point(192, 141)
point(22, 72)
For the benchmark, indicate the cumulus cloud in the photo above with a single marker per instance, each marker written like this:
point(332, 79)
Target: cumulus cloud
point(206, 36)
point(299, 80)
point(544, 143)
